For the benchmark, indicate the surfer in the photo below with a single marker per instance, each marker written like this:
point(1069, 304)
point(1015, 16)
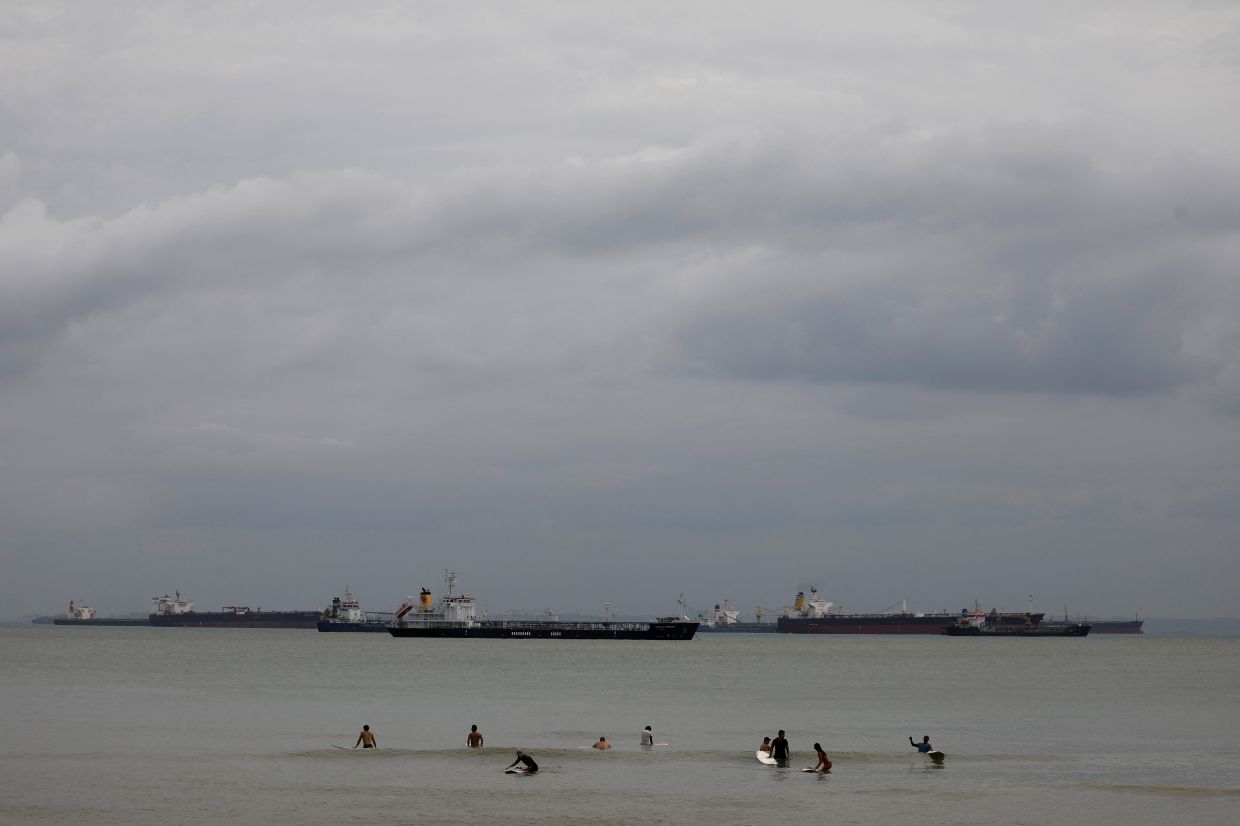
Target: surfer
point(824, 762)
point(366, 739)
point(779, 748)
point(522, 757)
point(647, 736)
point(602, 743)
point(765, 748)
point(924, 746)
point(474, 738)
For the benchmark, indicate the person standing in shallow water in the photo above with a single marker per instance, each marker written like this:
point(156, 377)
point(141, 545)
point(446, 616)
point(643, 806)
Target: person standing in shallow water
point(824, 762)
point(779, 748)
point(647, 736)
point(366, 739)
point(474, 738)
point(602, 743)
point(924, 746)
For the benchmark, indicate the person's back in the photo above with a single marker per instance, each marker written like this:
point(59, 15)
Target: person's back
point(647, 737)
point(602, 743)
point(474, 738)
point(366, 739)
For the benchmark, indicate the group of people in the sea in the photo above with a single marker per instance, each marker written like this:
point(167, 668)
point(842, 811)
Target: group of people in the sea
point(778, 749)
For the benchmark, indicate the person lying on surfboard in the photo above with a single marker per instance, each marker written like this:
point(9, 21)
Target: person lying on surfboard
point(366, 739)
point(924, 746)
point(602, 743)
point(522, 757)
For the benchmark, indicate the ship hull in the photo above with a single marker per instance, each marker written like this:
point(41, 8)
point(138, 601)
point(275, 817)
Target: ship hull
point(553, 630)
point(1073, 630)
point(225, 619)
point(128, 621)
point(1105, 626)
point(739, 628)
point(335, 626)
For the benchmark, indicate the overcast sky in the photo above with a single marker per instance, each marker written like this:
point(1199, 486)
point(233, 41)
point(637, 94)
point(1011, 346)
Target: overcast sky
point(609, 302)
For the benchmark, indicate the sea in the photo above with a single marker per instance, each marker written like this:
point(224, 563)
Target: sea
point(215, 726)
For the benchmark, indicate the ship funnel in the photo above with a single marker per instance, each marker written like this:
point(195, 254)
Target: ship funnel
point(799, 604)
point(425, 601)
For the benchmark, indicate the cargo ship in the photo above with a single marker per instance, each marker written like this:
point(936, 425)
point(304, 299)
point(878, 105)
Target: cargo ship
point(347, 615)
point(1099, 626)
point(726, 620)
point(814, 615)
point(455, 616)
point(981, 624)
point(167, 612)
point(85, 615)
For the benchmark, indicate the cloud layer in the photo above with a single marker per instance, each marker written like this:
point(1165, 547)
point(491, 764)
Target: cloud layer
point(906, 303)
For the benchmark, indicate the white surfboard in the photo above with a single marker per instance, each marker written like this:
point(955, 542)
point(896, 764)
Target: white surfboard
point(515, 770)
point(811, 771)
point(764, 758)
point(936, 755)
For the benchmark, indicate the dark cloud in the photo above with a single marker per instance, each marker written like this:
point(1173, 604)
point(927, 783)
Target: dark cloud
point(907, 304)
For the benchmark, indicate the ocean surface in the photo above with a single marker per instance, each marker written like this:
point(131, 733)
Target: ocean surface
point(201, 726)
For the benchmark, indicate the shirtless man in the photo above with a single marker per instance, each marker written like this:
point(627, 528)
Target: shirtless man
point(647, 736)
point(765, 748)
point(366, 739)
point(602, 743)
point(474, 738)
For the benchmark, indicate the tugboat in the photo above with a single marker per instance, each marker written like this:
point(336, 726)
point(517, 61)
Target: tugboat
point(455, 616)
point(347, 615)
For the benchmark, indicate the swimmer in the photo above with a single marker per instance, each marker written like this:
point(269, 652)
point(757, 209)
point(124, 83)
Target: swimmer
point(602, 743)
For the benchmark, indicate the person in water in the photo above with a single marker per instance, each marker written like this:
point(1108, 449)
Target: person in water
point(824, 762)
point(366, 739)
point(474, 738)
point(765, 748)
point(647, 736)
point(522, 757)
point(779, 748)
point(602, 743)
point(924, 746)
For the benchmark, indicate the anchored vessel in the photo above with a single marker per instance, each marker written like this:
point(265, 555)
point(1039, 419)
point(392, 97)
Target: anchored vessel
point(85, 615)
point(981, 624)
point(726, 619)
point(347, 615)
point(814, 615)
point(167, 612)
point(455, 616)
point(1097, 626)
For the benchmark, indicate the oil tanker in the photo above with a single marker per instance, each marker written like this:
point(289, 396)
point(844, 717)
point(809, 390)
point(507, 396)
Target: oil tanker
point(813, 615)
point(455, 616)
point(167, 612)
point(85, 615)
point(347, 615)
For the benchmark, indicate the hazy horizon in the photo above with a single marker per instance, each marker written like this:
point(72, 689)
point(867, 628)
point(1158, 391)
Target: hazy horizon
point(933, 302)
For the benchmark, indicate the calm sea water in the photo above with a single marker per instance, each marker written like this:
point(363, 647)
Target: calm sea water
point(147, 726)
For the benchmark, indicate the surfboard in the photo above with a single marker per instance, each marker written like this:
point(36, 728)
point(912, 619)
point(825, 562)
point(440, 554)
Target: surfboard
point(936, 755)
point(515, 770)
point(811, 771)
point(764, 758)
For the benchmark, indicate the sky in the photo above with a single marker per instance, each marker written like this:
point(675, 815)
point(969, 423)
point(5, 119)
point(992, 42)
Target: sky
point(614, 302)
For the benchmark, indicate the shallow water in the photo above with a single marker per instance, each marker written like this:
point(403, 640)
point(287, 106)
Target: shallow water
point(139, 725)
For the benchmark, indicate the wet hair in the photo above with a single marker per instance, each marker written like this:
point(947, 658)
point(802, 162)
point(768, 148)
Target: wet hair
point(781, 732)
point(817, 747)
point(365, 728)
point(602, 739)
point(766, 739)
point(473, 728)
